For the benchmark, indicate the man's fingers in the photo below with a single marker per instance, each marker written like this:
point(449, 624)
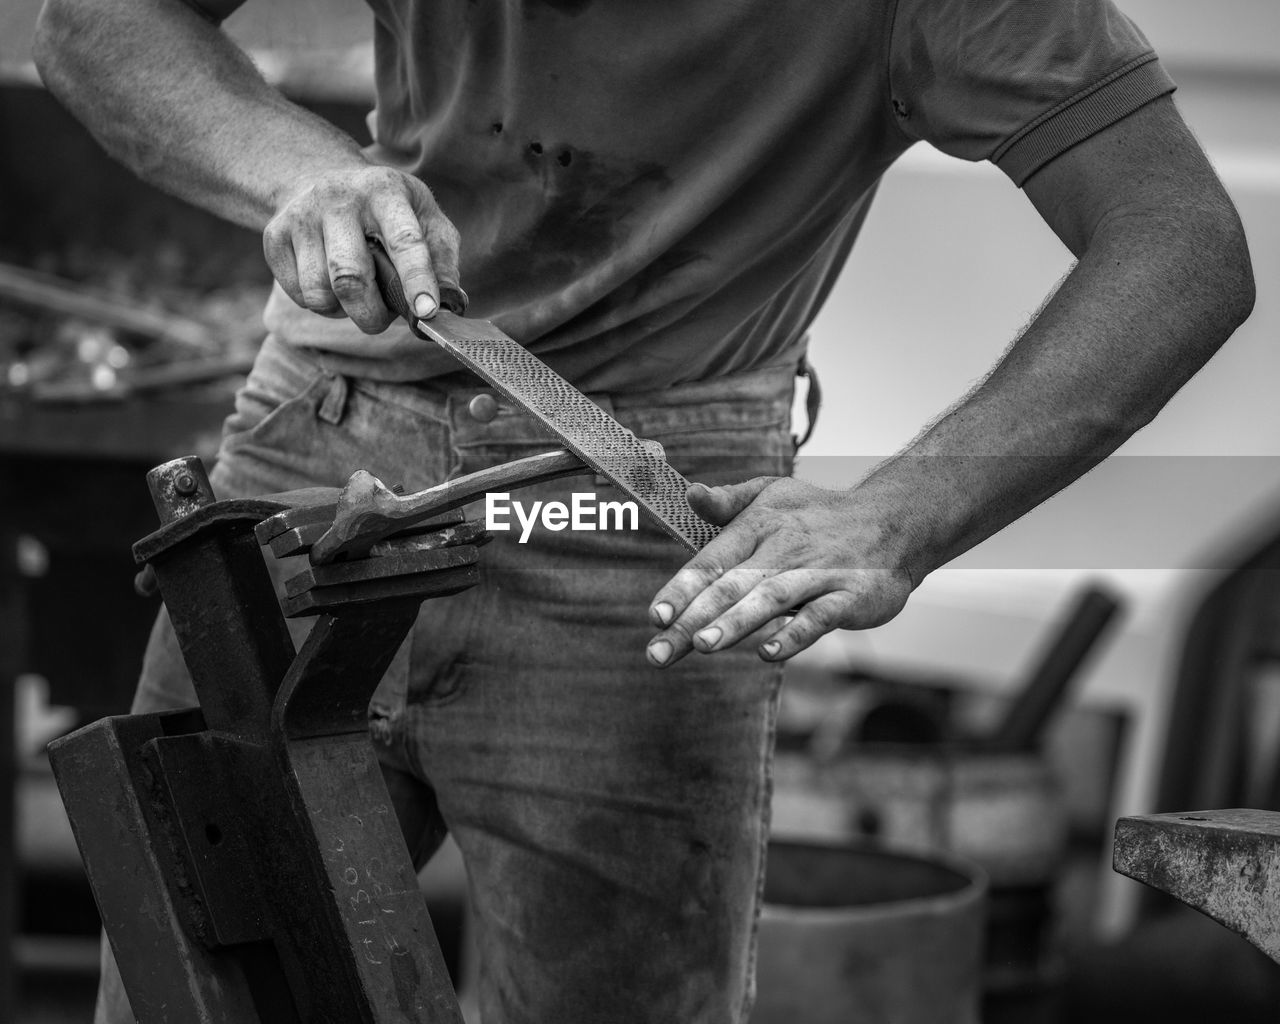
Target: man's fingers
point(277, 248)
point(718, 505)
point(442, 239)
point(818, 617)
point(350, 270)
point(708, 565)
point(398, 228)
point(313, 271)
point(770, 597)
point(724, 593)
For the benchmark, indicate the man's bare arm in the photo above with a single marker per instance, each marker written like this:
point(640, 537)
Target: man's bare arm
point(1163, 279)
point(168, 94)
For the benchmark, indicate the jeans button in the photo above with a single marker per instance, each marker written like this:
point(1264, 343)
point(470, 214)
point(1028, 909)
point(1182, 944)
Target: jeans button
point(484, 407)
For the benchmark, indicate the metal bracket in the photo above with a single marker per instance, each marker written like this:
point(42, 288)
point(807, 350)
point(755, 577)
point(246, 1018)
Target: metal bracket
point(245, 855)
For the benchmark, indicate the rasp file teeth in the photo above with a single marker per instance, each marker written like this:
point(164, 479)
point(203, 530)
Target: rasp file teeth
point(635, 466)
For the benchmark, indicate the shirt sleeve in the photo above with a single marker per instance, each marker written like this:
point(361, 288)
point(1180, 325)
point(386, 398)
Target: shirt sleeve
point(1016, 82)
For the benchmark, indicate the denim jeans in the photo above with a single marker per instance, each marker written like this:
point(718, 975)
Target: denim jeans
point(612, 817)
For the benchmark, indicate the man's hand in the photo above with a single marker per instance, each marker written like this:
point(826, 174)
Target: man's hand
point(316, 243)
point(786, 545)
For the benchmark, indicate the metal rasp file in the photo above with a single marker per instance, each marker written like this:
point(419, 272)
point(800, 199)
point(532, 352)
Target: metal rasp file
point(637, 467)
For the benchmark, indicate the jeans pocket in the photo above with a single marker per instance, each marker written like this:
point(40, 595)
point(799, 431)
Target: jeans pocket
point(263, 414)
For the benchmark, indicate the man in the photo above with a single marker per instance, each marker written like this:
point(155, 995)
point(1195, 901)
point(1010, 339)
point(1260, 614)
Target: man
point(655, 199)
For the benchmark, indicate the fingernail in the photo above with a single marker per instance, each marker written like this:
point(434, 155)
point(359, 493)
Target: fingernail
point(453, 299)
point(710, 636)
point(424, 306)
point(663, 612)
point(660, 652)
point(770, 648)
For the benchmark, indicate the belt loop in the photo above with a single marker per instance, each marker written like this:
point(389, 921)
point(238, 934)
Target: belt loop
point(812, 400)
point(334, 405)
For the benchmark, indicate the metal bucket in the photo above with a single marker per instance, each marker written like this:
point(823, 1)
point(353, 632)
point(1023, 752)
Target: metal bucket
point(855, 935)
point(1003, 811)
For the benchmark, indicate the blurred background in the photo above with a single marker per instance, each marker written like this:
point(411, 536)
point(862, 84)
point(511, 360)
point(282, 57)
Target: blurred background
point(127, 319)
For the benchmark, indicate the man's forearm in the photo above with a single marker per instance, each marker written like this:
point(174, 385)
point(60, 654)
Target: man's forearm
point(167, 94)
point(171, 97)
point(1157, 290)
point(1163, 279)
point(1149, 301)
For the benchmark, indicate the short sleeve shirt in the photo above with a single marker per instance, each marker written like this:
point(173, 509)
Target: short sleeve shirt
point(650, 193)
